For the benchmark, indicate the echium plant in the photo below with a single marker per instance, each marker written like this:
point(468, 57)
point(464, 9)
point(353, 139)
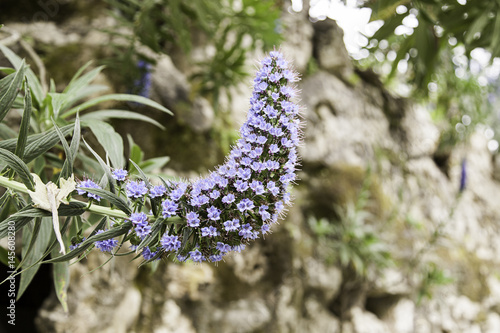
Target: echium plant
point(198, 220)
point(209, 217)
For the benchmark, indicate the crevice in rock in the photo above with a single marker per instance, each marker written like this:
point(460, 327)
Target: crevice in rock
point(381, 305)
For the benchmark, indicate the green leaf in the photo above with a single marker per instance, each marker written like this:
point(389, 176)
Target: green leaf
point(111, 197)
point(108, 234)
point(44, 142)
point(155, 230)
point(6, 132)
point(77, 84)
point(4, 199)
point(9, 88)
point(4, 258)
point(135, 153)
point(60, 272)
point(110, 140)
point(40, 243)
point(143, 175)
point(57, 102)
point(27, 213)
point(25, 123)
point(476, 27)
point(105, 115)
point(104, 166)
point(7, 70)
point(76, 76)
point(16, 164)
point(117, 97)
point(40, 141)
point(71, 153)
point(154, 163)
point(34, 83)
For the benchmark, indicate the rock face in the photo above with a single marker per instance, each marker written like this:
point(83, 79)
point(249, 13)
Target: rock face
point(363, 149)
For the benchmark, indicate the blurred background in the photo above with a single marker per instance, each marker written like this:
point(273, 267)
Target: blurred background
point(395, 224)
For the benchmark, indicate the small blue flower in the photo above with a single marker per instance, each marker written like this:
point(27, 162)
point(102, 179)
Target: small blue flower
point(157, 191)
point(88, 184)
point(223, 248)
point(169, 208)
point(229, 198)
point(193, 219)
point(232, 225)
point(215, 257)
point(197, 256)
point(213, 213)
point(72, 247)
point(210, 231)
point(136, 189)
point(245, 204)
point(119, 174)
point(148, 255)
point(106, 245)
point(170, 243)
point(246, 231)
point(140, 222)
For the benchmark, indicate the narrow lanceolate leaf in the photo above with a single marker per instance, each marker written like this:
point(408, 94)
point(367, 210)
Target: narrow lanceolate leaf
point(104, 166)
point(25, 124)
point(35, 85)
point(57, 102)
point(26, 214)
point(4, 199)
point(61, 280)
point(44, 143)
point(110, 140)
point(105, 115)
point(116, 97)
point(68, 163)
point(108, 234)
point(19, 167)
point(67, 169)
point(35, 254)
point(143, 175)
point(9, 88)
point(6, 132)
point(155, 230)
point(111, 197)
point(78, 84)
point(36, 143)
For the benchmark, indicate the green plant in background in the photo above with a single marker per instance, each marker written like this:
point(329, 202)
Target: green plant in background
point(231, 28)
point(352, 241)
point(433, 43)
point(431, 276)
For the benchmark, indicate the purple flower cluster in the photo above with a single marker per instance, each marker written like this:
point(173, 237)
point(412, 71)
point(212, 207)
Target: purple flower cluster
point(238, 202)
point(87, 183)
point(140, 222)
point(242, 198)
point(106, 245)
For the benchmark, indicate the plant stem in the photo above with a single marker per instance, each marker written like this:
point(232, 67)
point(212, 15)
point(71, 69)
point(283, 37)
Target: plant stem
point(101, 210)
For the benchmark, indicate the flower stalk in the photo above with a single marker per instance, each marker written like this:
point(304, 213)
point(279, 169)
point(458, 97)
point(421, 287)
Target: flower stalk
point(100, 210)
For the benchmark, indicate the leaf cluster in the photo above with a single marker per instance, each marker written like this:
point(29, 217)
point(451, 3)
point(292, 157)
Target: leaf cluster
point(40, 145)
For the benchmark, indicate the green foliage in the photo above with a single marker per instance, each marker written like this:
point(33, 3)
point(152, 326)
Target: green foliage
point(232, 28)
point(352, 241)
point(473, 25)
point(40, 146)
point(431, 276)
point(437, 52)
